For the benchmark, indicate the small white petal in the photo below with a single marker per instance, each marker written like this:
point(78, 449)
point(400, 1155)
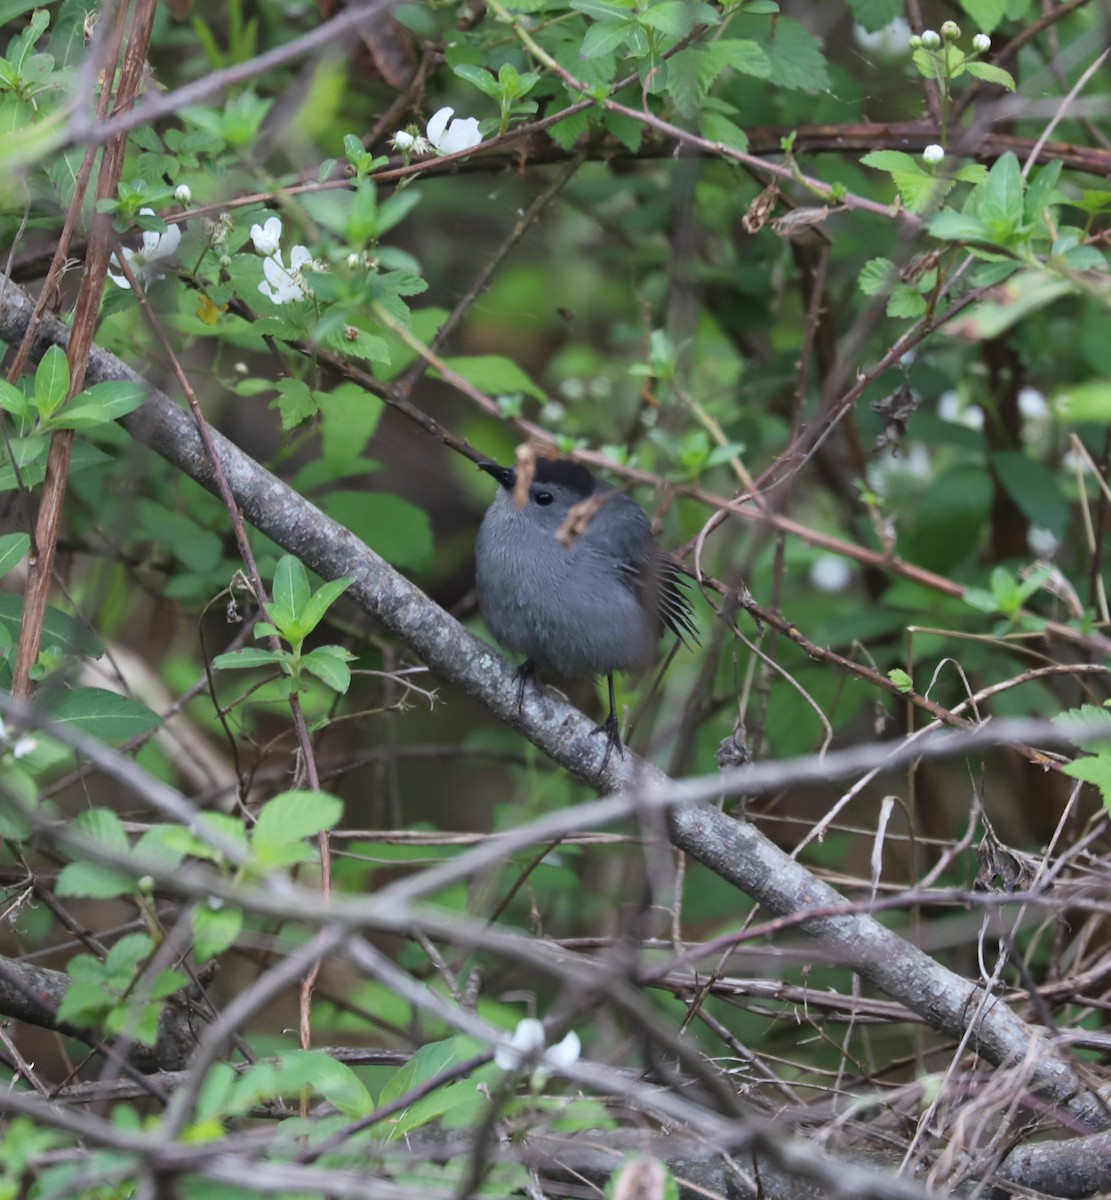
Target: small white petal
point(563, 1055)
point(267, 238)
point(527, 1038)
point(831, 573)
point(438, 123)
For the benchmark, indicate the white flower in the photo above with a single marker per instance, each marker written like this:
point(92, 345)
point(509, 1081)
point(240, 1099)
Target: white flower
point(155, 246)
point(982, 43)
point(933, 154)
point(461, 134)
point(887, 42)
point(183, 193)
point(1032, 404)
point(528, 1039)
point(410, 143)
point(267, 238)
point(931, 39)
point(1041, 541)
point(830, 573)
point(282, 285)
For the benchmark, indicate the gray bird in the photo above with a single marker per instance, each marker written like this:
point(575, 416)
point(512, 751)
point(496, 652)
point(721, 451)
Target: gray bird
point(591, 601)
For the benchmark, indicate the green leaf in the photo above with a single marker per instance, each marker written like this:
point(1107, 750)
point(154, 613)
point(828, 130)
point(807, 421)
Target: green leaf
point(1096, 743)
point(14, 401)
point(877, 277)
point(991, 74)
point(986, 13)
point(84, 1003)
point(604, 38)
point(951, 226)
point(13, 546)
point(675, 18)
point(249, 658)
point(1093, 769)
point(51, 382)
point(795, 58)
point(480, 77)
point(1001, 205)
point(329, 664)
point(101, 403)
point(214, 929)
point(102, 714)
point(1034, 489)
point(292, 816)
point(323, 599)
point(291, 593)
point(93, 881)
point(296, 403)
point(1082, 403)
point(875, 14)
point(901, 679)
point(350, 417)
point(742, 55)
point(1023, 293)
point(392, 527)
point(60, 631)
point(497, 375)
point(906, 302)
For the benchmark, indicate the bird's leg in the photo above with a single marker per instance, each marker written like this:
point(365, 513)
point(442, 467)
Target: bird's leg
point(610, 728)
point(525, 672)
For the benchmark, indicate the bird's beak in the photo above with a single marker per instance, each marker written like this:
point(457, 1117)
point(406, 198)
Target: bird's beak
point(506, 476)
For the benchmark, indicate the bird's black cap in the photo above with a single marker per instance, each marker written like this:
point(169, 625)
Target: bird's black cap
point(548, 470)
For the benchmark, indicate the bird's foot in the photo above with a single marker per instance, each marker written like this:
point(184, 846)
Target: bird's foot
point(525, 672)
point(613, 739)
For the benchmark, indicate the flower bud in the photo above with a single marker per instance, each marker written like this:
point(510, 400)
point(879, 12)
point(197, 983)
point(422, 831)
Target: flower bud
point(183, 193)
point(950, 31)
point(982, 43)
point(931, 39)
point(933, 154)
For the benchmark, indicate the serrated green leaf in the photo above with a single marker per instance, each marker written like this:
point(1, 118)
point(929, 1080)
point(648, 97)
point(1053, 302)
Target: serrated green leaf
point(214, 929)
point(901, 679)
point(93, 881)
point(294, 815)
point(877, 277)
point(1093, 769)
point(906, 302)
point(83, 1004)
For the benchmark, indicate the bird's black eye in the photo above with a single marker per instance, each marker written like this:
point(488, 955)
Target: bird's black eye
point(544, 498)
